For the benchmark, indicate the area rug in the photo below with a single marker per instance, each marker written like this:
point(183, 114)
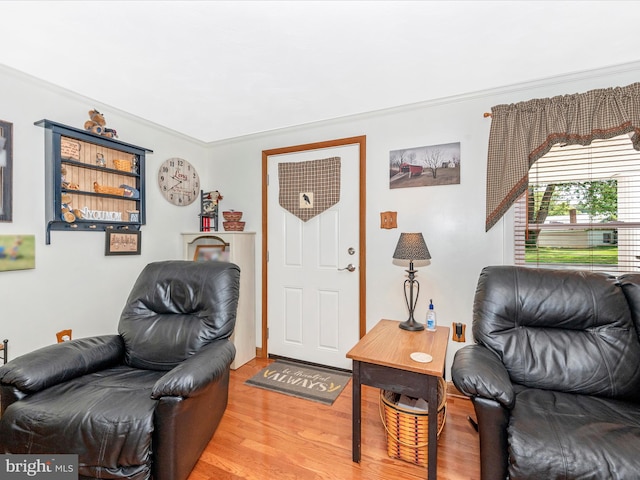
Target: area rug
point(319, 384)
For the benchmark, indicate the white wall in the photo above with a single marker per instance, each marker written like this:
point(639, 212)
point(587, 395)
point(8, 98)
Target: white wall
point(75, 286)
point(452, 217)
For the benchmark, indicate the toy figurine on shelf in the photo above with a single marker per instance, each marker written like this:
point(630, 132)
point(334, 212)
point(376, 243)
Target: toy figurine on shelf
point(97, 124)
point(209, 210)
point(63, 180)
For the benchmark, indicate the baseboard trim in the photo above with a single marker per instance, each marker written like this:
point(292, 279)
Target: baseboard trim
point(310, 364)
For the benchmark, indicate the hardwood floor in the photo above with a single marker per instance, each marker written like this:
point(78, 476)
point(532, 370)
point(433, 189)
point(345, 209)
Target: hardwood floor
point(268, 435)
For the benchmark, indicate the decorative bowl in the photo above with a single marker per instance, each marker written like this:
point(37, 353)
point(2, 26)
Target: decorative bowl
point(233, 226)
point(232, 216)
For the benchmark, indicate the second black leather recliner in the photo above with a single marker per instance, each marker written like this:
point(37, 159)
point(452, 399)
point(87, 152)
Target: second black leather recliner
point(554, 376)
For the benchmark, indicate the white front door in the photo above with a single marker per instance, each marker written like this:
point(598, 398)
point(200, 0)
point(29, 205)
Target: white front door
point(313, 297)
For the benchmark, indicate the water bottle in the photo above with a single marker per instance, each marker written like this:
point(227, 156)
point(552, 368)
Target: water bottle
point(431, 318)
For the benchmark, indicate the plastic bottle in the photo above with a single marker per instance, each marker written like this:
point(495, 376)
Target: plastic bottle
point(431, 318)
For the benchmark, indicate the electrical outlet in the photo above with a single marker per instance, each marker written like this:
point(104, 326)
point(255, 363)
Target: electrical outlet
point(63, 335)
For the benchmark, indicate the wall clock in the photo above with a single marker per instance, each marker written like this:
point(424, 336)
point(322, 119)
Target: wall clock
point(179, 181)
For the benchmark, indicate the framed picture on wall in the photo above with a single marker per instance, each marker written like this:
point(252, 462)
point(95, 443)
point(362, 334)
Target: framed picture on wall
point(206, 253)
point(425, 166)
point(17, 252)
point(122, 243)
point(6, 169)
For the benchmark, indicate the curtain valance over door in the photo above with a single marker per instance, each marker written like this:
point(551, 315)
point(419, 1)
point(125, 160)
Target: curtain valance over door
point(523, 132)
point(309, 188)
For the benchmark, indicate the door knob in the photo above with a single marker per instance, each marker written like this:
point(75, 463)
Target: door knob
point(351, 267)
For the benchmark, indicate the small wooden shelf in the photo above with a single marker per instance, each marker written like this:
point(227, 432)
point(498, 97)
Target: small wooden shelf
point(95, 194)
point(209, 211)
point(99, 168)
point(85, 159)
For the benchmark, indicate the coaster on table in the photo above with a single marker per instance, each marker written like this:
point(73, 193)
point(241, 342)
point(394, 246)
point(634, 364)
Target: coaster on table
point(421, 357)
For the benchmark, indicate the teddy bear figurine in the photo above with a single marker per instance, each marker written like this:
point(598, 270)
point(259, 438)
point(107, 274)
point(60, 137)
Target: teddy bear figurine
point(97, 124)
point(66, 184)
point(68, 213)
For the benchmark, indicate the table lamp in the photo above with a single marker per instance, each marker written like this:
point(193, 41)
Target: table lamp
point(411, 246)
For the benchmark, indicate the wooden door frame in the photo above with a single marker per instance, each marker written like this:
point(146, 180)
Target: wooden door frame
point(361, 141)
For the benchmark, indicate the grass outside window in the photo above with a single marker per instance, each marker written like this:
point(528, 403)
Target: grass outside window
point(604, 255)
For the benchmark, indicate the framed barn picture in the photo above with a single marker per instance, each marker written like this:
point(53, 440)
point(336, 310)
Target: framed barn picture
point(425, 166)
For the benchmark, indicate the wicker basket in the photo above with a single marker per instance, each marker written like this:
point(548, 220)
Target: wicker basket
point(233, 226)
point(108, 190)
point(407, 429)
point(232, 216)
point(122, 165)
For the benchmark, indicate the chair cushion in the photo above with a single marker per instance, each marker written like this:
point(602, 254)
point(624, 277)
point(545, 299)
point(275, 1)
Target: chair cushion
point(175, 308)
point(559, 330)
point(555, 435)
point(113, 406)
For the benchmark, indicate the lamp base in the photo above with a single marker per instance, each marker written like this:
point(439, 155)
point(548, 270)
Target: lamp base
point(411, 325)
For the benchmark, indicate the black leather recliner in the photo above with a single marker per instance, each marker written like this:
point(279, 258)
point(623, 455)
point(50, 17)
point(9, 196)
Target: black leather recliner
point(137, 405)
point(555, 374)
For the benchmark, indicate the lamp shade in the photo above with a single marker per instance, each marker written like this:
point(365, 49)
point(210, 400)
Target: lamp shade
point(411, 246)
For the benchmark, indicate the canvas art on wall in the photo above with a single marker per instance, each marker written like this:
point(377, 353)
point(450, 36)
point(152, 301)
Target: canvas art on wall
point(17, 252)
point(425, 166)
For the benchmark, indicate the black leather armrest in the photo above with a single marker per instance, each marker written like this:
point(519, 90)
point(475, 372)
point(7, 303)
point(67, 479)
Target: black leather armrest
point(493, 419)
point(60, 362)
point(197, 372)
point(477, 371)
point(9, 395)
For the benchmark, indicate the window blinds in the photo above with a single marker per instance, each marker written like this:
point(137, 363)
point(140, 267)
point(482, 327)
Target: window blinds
point(582, 209)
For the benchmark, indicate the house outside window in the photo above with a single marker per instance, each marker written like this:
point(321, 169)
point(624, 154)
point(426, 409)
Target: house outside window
point(582, 209)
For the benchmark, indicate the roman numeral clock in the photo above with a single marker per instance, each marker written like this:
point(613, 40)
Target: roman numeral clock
point(179, 181)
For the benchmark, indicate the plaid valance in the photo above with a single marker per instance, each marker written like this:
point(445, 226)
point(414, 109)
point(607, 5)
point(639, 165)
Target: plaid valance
point(309, 188)
point(523, 132)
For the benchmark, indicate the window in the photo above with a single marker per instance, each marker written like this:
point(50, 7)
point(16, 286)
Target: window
point(581, 209)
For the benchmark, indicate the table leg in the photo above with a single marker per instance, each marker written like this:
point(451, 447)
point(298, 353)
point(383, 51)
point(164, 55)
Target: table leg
point(356, 411)
point(432, 453)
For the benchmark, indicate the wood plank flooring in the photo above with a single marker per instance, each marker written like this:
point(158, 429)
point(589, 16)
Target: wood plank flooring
point(268, 435)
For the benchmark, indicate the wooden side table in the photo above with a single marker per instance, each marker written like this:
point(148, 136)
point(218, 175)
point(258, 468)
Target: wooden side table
point(382, 359)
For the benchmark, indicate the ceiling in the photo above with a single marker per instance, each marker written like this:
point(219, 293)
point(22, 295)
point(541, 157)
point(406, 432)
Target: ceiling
point(214, 70)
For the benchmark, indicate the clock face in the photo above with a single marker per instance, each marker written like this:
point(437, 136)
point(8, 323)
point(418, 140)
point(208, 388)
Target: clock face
point(178, 181)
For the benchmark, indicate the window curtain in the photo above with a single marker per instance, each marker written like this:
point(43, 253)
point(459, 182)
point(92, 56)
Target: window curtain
point(523, 132)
